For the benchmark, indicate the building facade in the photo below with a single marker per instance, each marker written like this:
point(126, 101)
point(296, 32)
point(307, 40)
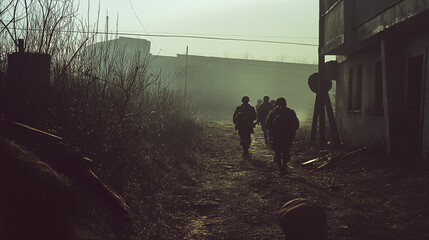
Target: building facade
point(382, 72)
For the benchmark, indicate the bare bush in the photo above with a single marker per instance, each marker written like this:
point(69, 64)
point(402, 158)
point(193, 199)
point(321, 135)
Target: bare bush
point(108, 104)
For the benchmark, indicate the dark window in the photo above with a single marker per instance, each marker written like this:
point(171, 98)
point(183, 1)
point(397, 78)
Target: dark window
point(378, 88)
point(350, 97)
point(358, 104)
point(355, 90)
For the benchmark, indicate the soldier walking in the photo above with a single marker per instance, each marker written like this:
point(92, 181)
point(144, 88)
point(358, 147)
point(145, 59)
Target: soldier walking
point(282, 124)
point(262, 114)
point(243, 118)
point(258, 103)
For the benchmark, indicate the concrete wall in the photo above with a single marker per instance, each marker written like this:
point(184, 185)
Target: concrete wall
point(123, 51)
point(366, 9)
point(402, 11)
point(216, 85)
point(334, 24)
point(349, 23)
point(364, 127)
point(369, 128)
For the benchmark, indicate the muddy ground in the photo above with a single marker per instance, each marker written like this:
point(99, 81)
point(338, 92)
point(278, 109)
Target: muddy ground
point(365, 197)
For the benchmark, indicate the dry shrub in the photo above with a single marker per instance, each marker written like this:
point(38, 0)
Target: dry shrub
point(115, 108)
point(137, 130)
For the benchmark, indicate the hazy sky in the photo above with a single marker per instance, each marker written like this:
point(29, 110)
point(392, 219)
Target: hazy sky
point(275, 20)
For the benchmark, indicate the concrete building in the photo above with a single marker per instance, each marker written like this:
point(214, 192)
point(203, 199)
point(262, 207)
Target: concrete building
point(214, 85)
point(128, 46)
point(382, 73)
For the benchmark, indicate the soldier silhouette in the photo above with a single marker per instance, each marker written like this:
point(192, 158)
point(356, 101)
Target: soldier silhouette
point(282, 124)
point(243, 118)
point(262, 114)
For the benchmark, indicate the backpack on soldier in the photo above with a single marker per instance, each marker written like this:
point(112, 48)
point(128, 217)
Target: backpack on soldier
point(242, 117)
point(285, 123)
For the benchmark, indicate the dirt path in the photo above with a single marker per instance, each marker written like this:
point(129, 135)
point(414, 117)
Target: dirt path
point(231, 202)
point(240, 198)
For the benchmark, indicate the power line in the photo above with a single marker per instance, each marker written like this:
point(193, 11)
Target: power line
point(141, 24)
point(183, 36)
point(218, 38)
point(231, 35)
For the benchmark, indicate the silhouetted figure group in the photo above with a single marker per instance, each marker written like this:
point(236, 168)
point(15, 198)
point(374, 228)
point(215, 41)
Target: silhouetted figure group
point(278, 123)
point(299, 218)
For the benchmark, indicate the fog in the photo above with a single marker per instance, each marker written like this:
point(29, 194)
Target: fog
point(219, 72)
point(216, 85)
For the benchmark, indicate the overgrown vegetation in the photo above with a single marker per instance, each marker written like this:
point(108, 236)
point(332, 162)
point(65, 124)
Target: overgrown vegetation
point(107, 103)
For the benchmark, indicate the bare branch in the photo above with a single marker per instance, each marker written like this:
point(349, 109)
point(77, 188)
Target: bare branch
point(15, 38)
point(71, 59)
point(10, 34)
point(6, 7)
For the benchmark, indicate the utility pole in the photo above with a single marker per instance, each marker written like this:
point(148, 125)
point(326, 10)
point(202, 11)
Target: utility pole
point(117, 25)
point(186, 74)
point(107, 26)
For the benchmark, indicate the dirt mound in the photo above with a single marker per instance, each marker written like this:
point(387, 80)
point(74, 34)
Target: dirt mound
point(37, 201)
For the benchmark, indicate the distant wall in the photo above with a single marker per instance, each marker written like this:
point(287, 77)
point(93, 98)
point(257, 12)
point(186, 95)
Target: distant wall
point(216, 85)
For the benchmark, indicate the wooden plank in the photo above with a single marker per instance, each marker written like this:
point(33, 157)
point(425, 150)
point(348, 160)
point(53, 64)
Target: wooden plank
point(317, 159)
point(342, 156)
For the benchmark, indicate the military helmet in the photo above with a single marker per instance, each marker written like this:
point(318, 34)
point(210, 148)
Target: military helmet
point(245, 99)
point(266, 98)
point(281, 102)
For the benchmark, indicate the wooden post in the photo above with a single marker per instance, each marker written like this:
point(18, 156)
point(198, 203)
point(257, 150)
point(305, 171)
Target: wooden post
point(385, 95)
point(322, 104)
point(321, 68)
point(332, 122)
point(314, 123)
point(319, 111)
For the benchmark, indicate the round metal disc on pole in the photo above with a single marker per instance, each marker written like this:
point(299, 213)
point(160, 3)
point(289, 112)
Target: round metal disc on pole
point(313, 83)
